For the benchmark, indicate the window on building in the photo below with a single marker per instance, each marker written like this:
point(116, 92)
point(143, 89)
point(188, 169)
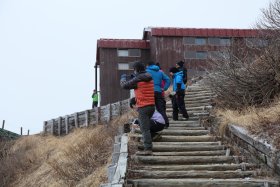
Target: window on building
point(201, 55)
point(122, 52)
point(225, 41)
point(218, 55)
point(134, 52)
point(200, 41)
point(189, 40)
point(195, 55)
point(256, 42)
point(123, 66)
point(190, 55)
point(214, 41)
point(129, 52)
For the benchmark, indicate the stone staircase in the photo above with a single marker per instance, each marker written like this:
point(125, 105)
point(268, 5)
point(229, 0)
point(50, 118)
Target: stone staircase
point(188, 156)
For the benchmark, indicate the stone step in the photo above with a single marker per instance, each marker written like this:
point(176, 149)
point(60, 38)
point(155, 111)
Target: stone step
point(185, 132)
point(187, 138)
point(165, 138)
point(209, 167)
point(186, 143)
point(169, 110)
point(181, 132)
point(171, 127)
point(204, 182)
point(183, 148)
point(191, 153)
point(182, 124)
point(191, 114)
point(169, 105)
point(199, 108)
point(184, 159)
point(192, 174)
point(200, 101)
point(191, 123)
point(191, 118)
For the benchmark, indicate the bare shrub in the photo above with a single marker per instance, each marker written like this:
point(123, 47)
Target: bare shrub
point(250, 75)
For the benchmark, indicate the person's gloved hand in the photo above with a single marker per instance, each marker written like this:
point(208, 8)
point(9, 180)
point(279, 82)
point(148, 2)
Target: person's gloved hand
point(171, 95)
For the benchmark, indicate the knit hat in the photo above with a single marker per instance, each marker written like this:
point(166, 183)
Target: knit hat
point(180, 63)
point(173, 70)
point(139, 66)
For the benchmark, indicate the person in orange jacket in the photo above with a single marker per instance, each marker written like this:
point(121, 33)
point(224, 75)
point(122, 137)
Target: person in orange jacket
point(143, 86)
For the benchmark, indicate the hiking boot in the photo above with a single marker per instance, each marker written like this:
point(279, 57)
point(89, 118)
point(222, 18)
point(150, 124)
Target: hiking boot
point(186, 116)
point(175, 118)
point(166, 125)
point(156, 137)
point(147, 152)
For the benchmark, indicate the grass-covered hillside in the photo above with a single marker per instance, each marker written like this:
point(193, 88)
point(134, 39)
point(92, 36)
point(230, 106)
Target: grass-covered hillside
point(78, 159)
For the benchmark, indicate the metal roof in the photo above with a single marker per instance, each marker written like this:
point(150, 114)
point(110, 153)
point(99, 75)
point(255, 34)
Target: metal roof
point(123, 43)
point(207, 32)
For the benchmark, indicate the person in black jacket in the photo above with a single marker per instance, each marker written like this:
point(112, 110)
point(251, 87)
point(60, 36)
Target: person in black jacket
point(178, 102)
point(180, 67)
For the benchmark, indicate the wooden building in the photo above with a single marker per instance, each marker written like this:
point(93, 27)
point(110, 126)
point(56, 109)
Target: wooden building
point(166, 46)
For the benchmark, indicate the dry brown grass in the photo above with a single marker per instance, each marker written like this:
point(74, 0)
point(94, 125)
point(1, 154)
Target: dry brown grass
point(78, 159)
point(263, 122)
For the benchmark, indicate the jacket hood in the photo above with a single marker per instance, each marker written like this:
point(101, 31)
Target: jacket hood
point(153, 67)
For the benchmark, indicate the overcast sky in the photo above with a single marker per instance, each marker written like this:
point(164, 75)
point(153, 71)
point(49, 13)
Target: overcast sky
point(48, 47)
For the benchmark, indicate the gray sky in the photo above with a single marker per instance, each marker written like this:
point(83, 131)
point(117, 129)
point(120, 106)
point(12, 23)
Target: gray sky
point(48, 47)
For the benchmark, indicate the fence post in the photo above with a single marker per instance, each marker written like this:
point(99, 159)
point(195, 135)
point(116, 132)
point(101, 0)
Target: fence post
point(59, 126)
point(110, 112)
point(96, 110)
point(119, 112)
point(3, 124)
point(45, 127)
point(52, 127)
point(76, 120)
point(21, 131)
point(66, 124)
point(87, 116)
point(121, 108)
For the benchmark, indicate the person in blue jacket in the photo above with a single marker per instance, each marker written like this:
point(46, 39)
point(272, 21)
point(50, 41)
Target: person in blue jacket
point(159, 78)
point(178, 102)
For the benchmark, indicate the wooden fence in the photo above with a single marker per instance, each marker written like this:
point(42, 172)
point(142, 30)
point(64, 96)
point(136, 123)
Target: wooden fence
point(63, 125)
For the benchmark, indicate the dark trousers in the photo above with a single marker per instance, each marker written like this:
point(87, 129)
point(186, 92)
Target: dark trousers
point(156, 127)
point(178, 104)
point(94, 104)
point(145, 114)
point(161, 106)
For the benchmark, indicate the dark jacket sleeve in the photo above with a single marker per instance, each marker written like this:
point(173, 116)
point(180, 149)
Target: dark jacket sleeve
point(130, 84)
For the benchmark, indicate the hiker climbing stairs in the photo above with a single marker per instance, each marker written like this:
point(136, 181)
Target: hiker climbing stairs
point(187, 155)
